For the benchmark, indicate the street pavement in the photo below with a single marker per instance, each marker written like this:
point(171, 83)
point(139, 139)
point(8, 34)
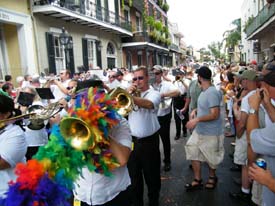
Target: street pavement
point(173, 191)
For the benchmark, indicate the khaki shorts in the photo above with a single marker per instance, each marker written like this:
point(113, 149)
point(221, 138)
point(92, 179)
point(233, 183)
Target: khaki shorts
point(240, 154)
point(205, 148)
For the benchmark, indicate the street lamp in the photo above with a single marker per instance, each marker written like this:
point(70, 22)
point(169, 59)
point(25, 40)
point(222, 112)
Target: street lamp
point(240, 49)
point(67, 42)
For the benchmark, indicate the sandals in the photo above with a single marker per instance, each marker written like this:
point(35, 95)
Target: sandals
point(197, 184)
point(211, 183)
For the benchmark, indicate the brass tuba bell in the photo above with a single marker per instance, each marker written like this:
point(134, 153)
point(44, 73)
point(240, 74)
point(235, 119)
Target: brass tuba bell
point(77, 133)
point(124, 100)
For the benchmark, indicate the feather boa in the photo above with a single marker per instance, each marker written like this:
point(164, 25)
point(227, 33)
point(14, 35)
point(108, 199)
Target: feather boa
point(47, 179)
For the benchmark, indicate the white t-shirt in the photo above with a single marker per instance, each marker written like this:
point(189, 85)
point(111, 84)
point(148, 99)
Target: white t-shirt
point(13, 148)
point(144, 122)
point(166, 102)
point(97, 189)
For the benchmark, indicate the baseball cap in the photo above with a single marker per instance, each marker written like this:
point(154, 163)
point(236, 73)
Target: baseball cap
point(249, 75)
point(269, 78)
point(157, 67)
point(254, 62)
point(271, 66)
point(205, 72)
point(239, 73)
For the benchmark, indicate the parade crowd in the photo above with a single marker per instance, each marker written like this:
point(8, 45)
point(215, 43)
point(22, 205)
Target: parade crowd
point(203, 99)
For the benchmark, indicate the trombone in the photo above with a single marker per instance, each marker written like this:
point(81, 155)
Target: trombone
point(4, 122)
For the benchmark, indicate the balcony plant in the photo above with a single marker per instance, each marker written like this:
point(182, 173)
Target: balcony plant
point(248, 23)
point(165, 7)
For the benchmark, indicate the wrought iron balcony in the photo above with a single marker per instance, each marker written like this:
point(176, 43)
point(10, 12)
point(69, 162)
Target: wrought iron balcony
point(89, 14)
point(263, 16)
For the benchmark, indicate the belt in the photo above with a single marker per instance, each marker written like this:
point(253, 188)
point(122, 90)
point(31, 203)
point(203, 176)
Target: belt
point(144, 139)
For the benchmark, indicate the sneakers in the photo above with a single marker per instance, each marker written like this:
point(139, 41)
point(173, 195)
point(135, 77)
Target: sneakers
point(177, 137)
point(240, 196)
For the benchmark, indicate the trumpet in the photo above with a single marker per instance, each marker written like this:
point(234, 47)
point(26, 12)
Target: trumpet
point(124, 100)
point(5, 122)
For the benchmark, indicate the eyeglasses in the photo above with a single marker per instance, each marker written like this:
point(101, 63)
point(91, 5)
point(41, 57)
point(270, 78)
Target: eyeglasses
point(157, 73)
point(138, 78)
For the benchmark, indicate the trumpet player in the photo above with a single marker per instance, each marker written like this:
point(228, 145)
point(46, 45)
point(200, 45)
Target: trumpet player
point(144, 161)
point(167, 91)
point(13, 145)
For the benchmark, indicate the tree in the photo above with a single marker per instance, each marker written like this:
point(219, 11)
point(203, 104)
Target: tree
point(233, 37)
point(215, 49)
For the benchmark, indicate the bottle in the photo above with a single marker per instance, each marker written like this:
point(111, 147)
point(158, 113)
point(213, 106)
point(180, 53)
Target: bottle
point(260, 162)
point(178, 112)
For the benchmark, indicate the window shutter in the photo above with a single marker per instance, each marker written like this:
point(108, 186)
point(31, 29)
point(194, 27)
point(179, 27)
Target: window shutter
point(51, 54)
point(98, 54)
point(71, 57)
point(85, 53)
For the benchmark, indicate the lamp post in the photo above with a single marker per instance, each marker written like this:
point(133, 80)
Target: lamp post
point(240, 49)
point(67, 43)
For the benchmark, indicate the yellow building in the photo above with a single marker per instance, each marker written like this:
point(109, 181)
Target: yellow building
point(17, 51)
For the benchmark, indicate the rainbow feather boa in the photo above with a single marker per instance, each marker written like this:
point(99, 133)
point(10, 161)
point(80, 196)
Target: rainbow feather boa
point(47, 179)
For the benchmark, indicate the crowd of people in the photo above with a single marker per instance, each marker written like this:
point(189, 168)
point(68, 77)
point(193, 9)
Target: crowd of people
point(202, 98)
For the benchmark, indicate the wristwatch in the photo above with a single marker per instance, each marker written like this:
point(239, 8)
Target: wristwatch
point(252, 111)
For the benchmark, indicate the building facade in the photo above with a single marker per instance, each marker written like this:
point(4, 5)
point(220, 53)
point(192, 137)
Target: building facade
point(258, 20)
point(17, 44)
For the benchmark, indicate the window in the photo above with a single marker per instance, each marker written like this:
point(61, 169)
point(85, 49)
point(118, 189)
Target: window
point(111, 56)
point(138, 22)
point(139, 58)
point(127, 14)
point(91, 53)
point(59, 54)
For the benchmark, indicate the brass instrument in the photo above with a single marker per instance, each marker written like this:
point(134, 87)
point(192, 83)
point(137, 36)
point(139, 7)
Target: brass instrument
point(124, 100)
point(41, 114)
point(4, 122)
point(77, 133)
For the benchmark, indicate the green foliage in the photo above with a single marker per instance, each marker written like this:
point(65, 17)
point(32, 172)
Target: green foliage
point(165, 7)
point(233, 37)
point(215, 49)
point(158, 26)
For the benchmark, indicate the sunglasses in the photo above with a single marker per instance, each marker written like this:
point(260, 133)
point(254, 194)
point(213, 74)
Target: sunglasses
point(138, 78)
point(69, 88)
point(157, 73)
point(112, 76)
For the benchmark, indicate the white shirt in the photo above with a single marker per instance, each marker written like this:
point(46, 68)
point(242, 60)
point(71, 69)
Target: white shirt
point(166, 102)
point(144, 122)
point(13, 148)
point(245, 105)
point(57, 93)
point(97, 189)
point(36, 137)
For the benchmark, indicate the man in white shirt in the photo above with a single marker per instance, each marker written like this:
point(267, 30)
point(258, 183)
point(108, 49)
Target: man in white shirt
point(59, 88)
point(144, 160)
point(167, 91)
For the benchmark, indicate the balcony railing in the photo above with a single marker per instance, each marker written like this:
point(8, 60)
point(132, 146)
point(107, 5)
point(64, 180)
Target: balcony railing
point(91, 10)
point(142, 36)
point(263, 16)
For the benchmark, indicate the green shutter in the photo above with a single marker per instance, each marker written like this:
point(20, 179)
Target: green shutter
point(85, 53)
point(51, 54)
point(71, 56)
point(98, 54)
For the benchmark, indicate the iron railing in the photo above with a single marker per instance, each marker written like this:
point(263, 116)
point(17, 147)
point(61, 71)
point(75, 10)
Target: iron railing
point(263, 16)
point(91, 10)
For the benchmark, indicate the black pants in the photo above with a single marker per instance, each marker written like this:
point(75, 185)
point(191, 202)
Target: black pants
point(122, 199)
point(178, 103)
point(144, 162)
point(164, 133)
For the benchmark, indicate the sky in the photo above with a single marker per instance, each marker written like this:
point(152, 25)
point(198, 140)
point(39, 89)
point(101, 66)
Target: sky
point(203, 21)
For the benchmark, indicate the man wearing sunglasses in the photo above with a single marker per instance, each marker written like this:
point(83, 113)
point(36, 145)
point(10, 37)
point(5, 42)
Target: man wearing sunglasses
point(167, 91)
point(144, 161)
